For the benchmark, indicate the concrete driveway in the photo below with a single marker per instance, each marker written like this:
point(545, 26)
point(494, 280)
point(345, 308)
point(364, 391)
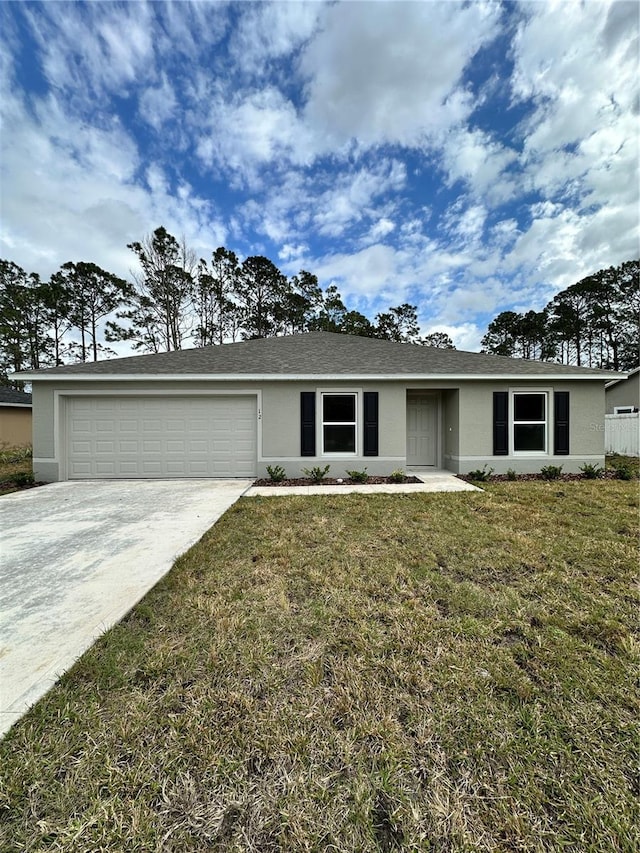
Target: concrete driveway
point(74, 559)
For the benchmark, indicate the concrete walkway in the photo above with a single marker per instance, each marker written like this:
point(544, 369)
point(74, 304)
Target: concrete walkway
point(75, 557)
point(431, 481)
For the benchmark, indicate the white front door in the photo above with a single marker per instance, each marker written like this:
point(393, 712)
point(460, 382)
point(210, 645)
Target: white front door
point(422, 429)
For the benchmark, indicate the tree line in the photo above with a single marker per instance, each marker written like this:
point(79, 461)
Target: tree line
point(593, 323)
point(178, 300)
point(175, 300)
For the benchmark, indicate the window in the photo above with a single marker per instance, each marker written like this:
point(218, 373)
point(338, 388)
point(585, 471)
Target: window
point(624, 410)
point(530, 423)
point(339, 423)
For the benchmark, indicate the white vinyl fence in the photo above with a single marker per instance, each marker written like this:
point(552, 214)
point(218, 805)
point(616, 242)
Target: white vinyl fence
point(621, 434)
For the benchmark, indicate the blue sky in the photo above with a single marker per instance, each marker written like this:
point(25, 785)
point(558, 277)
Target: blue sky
point(468, 158)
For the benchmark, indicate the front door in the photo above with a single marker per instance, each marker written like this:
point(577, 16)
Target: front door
point(422, 429)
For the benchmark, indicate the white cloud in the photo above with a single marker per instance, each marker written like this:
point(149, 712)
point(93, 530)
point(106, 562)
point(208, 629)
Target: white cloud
point(387, 72)
point(70, 192)
point(270, 30)
point(89, 48)
point(473, 157)
point(577, 64)
point(381, 229)
point(252, 130)
point(293, 253)
point(158, 104)
point(465, 224)
point(353, 196)
point(189, 30)
point(365, 275)
point(325, 130)
point(465, 336)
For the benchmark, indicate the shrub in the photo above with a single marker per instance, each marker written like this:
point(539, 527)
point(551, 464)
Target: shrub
point(591, 472)
point(358, 476)
point(397, 476)
point(23, 478)
point(276, 473)
point(623, 470)
point(623, 467)
point(511, 474)
point(551, 472)
point(317, 474)
point(481, 475)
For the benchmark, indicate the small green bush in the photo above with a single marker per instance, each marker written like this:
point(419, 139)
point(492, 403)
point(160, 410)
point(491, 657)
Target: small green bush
point(397, 476)
point(317, 474)
point(551, 472)
point(511, 474)
point(623, 470)
point(23, 478)
point(481, 475)
point(591, 472)
point(622, 467)
point(358, 476)
point(276, 473)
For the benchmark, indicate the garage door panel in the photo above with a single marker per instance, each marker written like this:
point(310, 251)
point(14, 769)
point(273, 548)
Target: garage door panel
point(80, 447)
point(105, 469)
point(161, 437)
point(127, 469)
point(150, 468)
point(106, 446)
point(80, 469)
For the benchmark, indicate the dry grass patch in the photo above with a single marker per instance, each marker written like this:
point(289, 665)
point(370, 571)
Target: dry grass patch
point(357, 673)
point(16, 468)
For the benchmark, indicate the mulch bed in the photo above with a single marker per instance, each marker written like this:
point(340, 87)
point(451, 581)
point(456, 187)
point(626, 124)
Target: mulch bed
point(333, 481)
point(9, 487)
point(609, 474)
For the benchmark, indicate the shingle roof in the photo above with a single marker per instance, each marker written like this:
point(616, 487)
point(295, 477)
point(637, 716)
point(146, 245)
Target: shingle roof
point(316, 354)
point(17, 398)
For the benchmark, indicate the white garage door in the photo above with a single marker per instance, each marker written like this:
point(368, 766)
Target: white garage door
point(147, 437)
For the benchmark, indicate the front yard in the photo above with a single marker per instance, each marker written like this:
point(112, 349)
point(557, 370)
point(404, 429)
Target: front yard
point(437, 672)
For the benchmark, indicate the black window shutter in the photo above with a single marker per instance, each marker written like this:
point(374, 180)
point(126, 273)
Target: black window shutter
point(500, 423)
point(307, 423)
point(561, 423)
point(370, 432)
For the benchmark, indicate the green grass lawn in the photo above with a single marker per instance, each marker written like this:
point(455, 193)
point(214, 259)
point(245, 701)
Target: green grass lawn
point(430, 672)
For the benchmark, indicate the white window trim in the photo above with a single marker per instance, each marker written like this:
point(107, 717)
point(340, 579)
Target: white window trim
point(339, 392)
point(624, 410)
point(548, 395)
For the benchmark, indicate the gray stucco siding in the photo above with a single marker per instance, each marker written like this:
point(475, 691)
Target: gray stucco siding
point(450, 426)
point(624, 393)
point(43, 420)
point(281, 427)
point(586, 431)
point(465, 430)
point(281, 415)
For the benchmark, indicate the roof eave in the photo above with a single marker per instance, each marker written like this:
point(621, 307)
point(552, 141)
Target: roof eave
point(303, 377)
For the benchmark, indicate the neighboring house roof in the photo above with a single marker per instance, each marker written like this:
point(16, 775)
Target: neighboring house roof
point(622, 378)
point(11, 397)
point(315, 354)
